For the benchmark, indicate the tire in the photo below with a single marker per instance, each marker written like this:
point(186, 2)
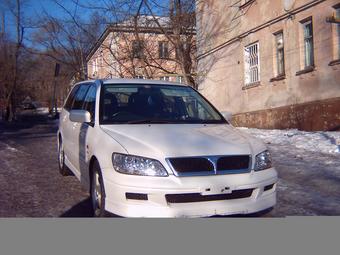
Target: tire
point(63, 170)
point(97, 192)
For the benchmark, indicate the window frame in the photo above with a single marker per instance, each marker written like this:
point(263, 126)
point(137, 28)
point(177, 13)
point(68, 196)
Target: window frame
point(181, 47)
point(310, 38)
point(278, 50)
point(87, 85)
point(180, 79)
point(337, 15)
point(137, 49)
point(68, 104)
point(251, 64)
point(163, 50)
point(93, 116)
point(164, 78)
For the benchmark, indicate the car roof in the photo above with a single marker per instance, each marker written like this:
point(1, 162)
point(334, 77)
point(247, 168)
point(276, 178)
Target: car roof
point(140, 81)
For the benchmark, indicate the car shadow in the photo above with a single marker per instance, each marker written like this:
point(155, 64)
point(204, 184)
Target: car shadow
point(83, 210)
point(28, 122)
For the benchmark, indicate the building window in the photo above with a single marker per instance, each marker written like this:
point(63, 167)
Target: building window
point(252, 64)
point(179, 79)
point(164, 78)
point(308, 43)
point(280, 58)
point(181, 47)
point(137, 49)
point(95, 67)
point(163, 50)
point(337, 15)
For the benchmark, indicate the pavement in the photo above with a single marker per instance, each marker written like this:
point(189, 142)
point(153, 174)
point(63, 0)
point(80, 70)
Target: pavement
point(31, 186)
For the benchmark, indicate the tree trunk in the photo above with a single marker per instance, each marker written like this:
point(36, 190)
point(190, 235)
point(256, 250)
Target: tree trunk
point(9, 109)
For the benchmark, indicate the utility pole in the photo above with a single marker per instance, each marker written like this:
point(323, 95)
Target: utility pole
point(3, 29)
point(54, 99)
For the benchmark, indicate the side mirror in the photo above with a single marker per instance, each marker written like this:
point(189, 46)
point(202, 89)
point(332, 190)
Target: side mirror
point(80, 116)
point(227, 115)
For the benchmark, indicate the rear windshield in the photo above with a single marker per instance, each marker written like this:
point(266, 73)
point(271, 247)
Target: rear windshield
point(139, 104)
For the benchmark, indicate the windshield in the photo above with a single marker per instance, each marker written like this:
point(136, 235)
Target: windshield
point(140, 103)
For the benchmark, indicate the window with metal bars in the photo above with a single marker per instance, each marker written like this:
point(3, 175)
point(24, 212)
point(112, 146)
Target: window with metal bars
point(308, 43)
point(252, 64)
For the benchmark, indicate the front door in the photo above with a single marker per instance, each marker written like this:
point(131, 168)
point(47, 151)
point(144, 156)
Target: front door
point(74, 129)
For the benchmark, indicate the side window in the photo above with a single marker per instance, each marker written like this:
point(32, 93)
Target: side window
point(80, 96)
point(70, 99)
point(90, 101)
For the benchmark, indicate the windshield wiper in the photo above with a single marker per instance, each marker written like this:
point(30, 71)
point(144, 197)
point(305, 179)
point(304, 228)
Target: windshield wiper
point(149, 121)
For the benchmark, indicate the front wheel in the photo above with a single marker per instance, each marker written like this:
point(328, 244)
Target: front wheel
point(97, 192)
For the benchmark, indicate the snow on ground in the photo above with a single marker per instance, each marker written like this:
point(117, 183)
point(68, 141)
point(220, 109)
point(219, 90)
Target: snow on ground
point(42, 110)
point(324, 142)
point(308, 166)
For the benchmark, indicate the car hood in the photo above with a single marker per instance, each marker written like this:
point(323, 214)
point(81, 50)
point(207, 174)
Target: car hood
point(166, 140)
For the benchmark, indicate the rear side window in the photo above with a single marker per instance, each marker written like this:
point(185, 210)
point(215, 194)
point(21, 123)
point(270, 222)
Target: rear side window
point(70, 99)
point(90, 101)
point(79, 97)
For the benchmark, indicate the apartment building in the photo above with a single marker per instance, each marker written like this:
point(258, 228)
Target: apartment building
point(137, 49)
point(272, 63)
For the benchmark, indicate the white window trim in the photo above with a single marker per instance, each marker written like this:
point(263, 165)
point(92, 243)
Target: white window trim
point(337, 28)
point(162, 52)
point(277, 50)
point(311, 55)
point(164, 78)
point(180, 79)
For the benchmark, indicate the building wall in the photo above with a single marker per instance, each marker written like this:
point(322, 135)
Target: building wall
point(113, 58)
point(224, 29)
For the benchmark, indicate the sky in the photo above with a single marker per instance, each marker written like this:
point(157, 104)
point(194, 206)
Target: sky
point(33, 9)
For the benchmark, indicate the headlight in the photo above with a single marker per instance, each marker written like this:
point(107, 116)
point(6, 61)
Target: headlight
point(263, 161)
point(127, 164)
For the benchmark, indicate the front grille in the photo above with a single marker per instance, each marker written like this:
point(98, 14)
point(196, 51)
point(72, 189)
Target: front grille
point(233, 163)
point(197, 197)
point(210, 165)
point(186, 165)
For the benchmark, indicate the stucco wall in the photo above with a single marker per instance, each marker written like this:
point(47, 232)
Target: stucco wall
point(222, 69)
point(121, 64)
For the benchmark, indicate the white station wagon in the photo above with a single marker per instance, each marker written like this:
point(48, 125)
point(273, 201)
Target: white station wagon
point(147, 148)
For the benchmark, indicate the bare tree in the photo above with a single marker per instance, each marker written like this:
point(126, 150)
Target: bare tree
point(135, 24)
point(180, 32)
point(68, 39)
point(10, 58)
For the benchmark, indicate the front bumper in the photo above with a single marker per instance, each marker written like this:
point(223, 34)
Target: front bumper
point(156, 188)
